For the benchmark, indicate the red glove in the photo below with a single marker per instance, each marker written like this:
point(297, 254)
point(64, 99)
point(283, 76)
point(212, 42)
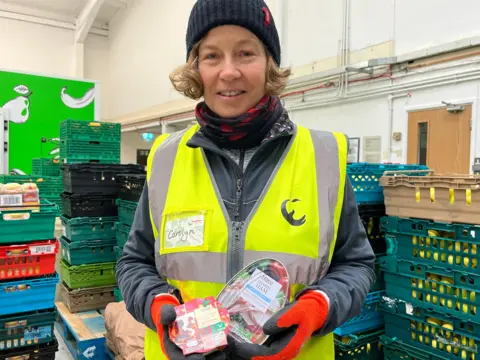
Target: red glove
point(290, 329)
point(163, 314)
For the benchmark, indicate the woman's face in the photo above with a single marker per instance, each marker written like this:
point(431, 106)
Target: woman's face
point(232, 64)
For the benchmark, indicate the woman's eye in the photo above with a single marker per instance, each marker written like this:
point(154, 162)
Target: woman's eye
point(246, 53)
point(210, 56)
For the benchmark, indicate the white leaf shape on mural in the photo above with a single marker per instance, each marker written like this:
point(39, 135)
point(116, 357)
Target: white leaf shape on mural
point(21, 89)
point(77, 103)
point(54, 151)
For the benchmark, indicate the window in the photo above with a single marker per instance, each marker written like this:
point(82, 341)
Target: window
point(422, 143)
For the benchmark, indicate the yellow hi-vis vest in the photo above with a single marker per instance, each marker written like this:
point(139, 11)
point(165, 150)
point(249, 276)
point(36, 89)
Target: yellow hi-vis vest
point(309, 180)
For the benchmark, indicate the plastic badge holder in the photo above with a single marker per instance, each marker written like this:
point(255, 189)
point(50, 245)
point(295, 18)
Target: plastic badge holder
point(252, 296)
point(201, 326)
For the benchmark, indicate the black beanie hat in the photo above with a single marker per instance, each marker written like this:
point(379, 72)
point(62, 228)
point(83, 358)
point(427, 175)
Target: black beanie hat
point(253, 15)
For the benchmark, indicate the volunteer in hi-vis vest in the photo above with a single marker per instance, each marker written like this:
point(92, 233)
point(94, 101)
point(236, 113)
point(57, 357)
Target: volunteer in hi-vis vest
point(244, 184)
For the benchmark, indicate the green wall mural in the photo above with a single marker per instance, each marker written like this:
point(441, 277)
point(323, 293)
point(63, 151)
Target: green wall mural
point(36, 106)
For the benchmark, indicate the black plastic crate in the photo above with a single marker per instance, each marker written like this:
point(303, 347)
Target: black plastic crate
point(130, 186)
point(34, 352)
point(75, 205)
point(95, 178)
point(371, 215)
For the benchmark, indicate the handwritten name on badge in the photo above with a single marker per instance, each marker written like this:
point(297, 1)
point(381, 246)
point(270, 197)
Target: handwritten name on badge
point(184, 231)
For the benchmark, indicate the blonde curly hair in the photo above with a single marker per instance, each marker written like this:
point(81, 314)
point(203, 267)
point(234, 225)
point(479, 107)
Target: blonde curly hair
point(186, 78)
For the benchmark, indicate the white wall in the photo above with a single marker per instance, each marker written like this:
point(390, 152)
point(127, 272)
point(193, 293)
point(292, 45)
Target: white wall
point(47, 50)
point(424, 88)
point(147, 39)
point(131, 142)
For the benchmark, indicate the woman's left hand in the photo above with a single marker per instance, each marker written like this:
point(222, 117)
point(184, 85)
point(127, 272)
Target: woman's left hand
point(290, 329)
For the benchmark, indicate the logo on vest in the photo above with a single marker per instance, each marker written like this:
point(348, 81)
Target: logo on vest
point(289, 215)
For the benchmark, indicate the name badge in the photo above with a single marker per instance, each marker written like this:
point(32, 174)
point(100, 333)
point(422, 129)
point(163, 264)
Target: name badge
point(184, 229)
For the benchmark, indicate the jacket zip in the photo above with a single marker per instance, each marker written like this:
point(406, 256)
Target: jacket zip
point(235, 246)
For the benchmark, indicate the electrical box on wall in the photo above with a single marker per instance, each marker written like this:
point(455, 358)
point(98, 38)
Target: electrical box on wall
point(397, 136)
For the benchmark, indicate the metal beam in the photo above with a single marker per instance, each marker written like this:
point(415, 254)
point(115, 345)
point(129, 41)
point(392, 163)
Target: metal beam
point(47, 22)
point(86, 18)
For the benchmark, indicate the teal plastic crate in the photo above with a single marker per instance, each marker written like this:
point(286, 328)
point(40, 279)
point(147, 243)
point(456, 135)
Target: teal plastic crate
point(450, 292)
point(28, 225)
point(379, 280)
point(450, 246)
point(363, 346)
point(81, 151)
point(118, 252)
point(365, 177)
point(121, 232)
point(87, 276)
point(370, 318)
point(45, 167)
point(88, 228)
point(90, 131)
point(88, 252)
point(429, 331)
point(126, 211)
point(394, 349)
point(118, 294)
point(26, 329)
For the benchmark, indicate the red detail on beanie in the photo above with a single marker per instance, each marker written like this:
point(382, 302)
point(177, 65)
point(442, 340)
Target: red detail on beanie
point(267, 16)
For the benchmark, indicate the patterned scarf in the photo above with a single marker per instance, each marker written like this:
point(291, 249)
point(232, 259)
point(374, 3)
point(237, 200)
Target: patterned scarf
point(244, 132)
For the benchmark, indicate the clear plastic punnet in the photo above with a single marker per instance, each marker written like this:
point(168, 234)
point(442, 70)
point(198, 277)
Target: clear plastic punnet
point(252, 296)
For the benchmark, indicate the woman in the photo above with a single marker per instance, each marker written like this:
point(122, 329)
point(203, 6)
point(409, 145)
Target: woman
point(245, 184)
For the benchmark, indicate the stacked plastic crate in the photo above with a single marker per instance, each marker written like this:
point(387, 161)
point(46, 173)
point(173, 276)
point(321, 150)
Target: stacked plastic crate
point(360, 336)
point(45, 167)
point(431, 270)
point(130, 187)
point(28, 279)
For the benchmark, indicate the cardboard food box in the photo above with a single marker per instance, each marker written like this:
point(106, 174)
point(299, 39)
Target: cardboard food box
point(15, 196)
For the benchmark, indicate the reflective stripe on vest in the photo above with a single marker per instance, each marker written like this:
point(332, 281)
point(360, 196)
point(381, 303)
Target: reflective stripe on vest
point(295, 220)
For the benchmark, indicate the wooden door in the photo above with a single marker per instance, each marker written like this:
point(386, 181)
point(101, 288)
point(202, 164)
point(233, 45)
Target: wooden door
point(440, 139)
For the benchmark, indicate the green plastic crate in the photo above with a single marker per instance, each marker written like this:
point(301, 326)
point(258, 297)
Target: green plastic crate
point(28, 225)
point(429, 331)
point(87, 276)
point(363, 346)
point(88, 252)
point(121, 233)
point(45, 167)
point(379, 280)
point(451, 246)
point(90, 131)
point(80, 151)
point(397, 350)
point(118, 294)
point(46, 184)
point(118, 252)
point(27, 329)
point(89, 228)
point(126, 211)
point(450, 292)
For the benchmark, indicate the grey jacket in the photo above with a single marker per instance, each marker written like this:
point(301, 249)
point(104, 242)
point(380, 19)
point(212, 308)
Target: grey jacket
point(241, 176)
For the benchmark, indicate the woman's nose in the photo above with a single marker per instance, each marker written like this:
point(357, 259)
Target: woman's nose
point(229, 71)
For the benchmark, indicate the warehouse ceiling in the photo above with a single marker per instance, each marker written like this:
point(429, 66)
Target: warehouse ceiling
point(71, 13)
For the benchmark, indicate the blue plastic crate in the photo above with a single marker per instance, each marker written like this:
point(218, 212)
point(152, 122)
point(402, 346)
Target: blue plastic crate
point(28, 295)
point(370, 317)
point(365, 179)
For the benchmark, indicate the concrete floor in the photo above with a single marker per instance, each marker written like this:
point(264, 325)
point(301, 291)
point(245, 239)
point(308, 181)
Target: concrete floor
point(63, 352)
